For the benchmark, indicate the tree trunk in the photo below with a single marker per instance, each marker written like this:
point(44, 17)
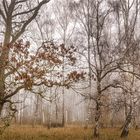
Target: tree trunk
point(98, 110)
point(96, 129)
point(2, 90)
point(3, 63)
point(97, 118)
point(63, 110)
point(56, 114)
point(50, 116)
point(125, 130)
point(1, 107)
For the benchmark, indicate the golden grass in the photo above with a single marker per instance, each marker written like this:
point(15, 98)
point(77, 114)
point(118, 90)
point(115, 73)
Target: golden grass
point(68, 133)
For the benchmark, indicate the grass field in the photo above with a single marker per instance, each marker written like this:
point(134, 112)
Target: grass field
point(68, 133)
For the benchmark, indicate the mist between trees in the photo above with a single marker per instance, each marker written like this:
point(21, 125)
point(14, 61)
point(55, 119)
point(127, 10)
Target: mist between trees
point(70, 62)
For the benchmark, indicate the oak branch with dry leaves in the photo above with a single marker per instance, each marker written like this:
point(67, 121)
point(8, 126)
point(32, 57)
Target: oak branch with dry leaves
point(15, 16)
point(28, 70)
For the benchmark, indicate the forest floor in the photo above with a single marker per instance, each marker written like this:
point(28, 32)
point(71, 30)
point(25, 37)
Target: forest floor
point(67, 133)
